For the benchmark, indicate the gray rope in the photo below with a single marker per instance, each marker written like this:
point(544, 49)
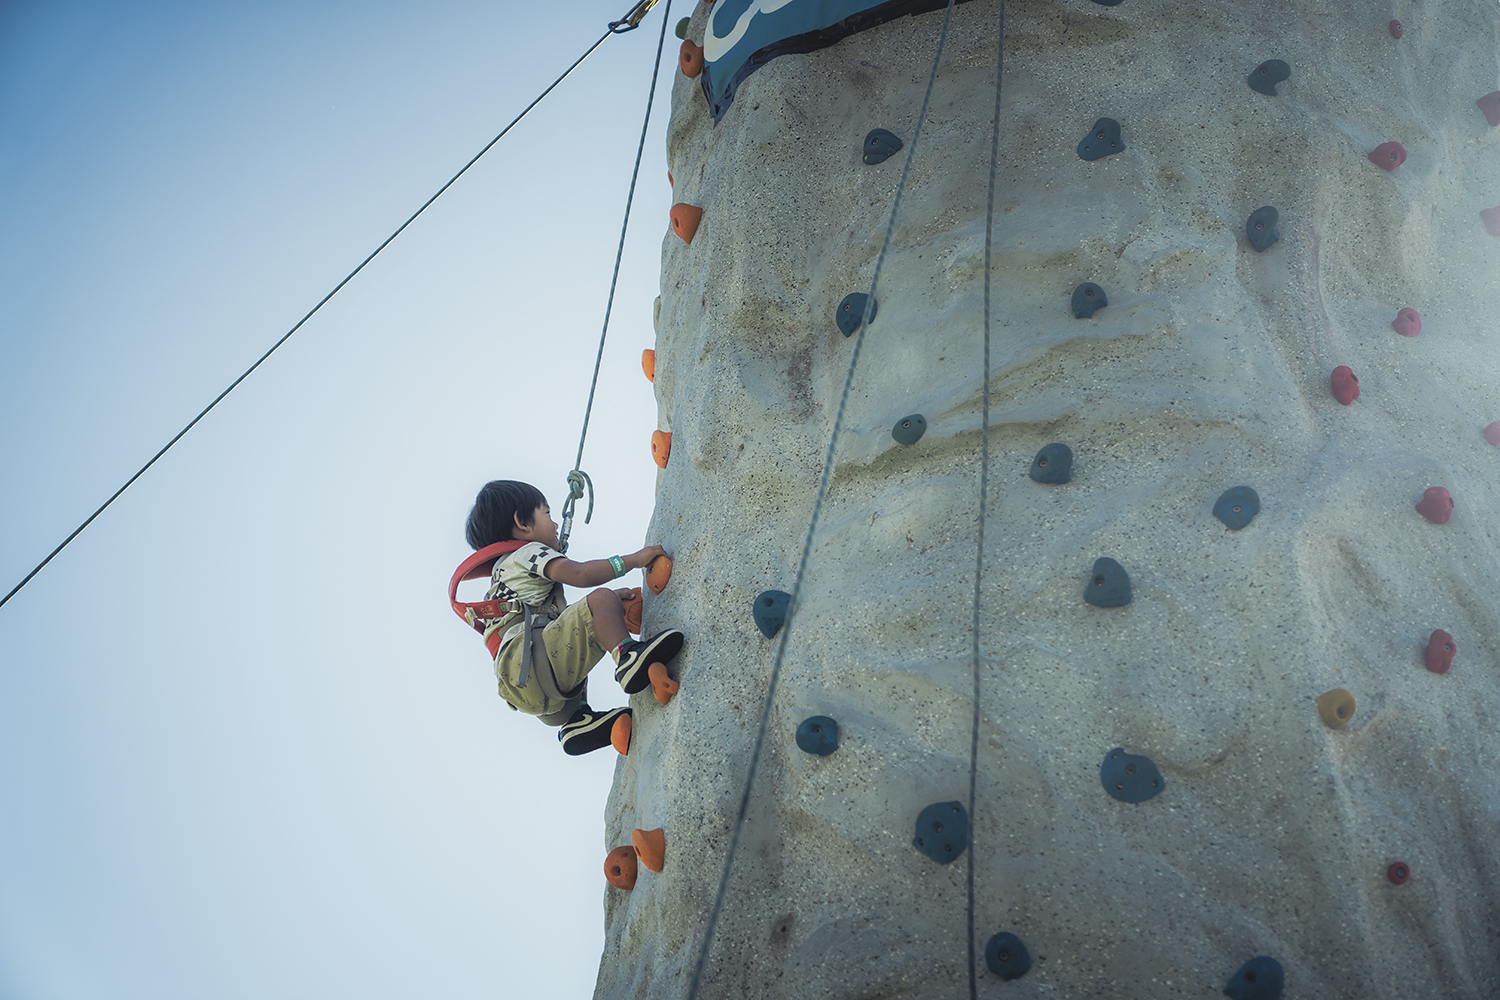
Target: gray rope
point(812, 527)
point(984, 488)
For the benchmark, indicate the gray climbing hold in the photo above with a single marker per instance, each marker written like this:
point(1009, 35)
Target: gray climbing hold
point(770, 611)
point(942, 831)
point(1261, 228)
point(851, 312)
point(1103, 140)
point(1053, 465)
point(909, 430)
point(880, 145)
point(1267, 75)
point(1108, 586)
point(1236, 506)
point(1260, 978)
point(1006, 954)
point(682, 27)
point(818, 735)
point(1088, 298)
point(1130, 778)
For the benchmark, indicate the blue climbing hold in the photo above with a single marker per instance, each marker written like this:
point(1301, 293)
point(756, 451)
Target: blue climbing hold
point(1103, 140)
point(770, 611)
point(1130, 778)
point(1267, 75)
point(1261, 228)
point(851, 312)
point(1108, 586)
point(1236, 506)
point(818, 735)
point(880, 145)
point(1260, 978)
point(1006, 954)
point(942, 831)
point(1108, 3)
point(1088, 298)
point(1053, 465)
point(909, 430)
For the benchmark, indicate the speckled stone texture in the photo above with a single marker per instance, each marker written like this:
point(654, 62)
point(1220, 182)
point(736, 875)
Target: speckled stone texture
point(1208, 369)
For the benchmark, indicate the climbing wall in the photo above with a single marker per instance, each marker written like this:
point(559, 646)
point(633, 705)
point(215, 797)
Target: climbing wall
point(1239, 738)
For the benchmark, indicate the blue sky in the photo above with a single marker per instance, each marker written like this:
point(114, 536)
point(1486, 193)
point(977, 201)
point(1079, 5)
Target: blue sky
point(246, 750)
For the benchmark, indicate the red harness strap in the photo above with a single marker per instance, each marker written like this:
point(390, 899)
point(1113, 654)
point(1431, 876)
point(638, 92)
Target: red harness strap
point(482, 564)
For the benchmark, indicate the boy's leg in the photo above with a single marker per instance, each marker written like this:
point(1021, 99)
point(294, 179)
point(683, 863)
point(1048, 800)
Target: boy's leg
point(609, 617)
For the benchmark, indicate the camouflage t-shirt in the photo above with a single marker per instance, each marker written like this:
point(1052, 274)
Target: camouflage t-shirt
point(519, 577)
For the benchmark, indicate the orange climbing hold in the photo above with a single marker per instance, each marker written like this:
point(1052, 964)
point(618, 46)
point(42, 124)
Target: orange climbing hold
point(662, 684)
point(661, 447)
point(619, 867)
point(648, 364)
point(685, 219)
point(651, 846)
point(658, 573)
point(619, 734)
point(631, 602)
point(691, 57)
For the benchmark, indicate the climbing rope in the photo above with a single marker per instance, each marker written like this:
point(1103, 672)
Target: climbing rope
point(577, 478)
point(812, 527)
point(631, 19)
point(984, 489)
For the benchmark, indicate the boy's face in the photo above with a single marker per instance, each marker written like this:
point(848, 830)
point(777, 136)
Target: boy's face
point(541, 530)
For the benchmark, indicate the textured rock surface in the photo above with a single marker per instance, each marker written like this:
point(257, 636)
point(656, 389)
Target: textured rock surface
point(1209, 369)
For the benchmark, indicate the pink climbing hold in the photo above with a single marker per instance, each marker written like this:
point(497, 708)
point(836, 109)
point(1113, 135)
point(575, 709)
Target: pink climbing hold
point(1396, 30)
point(1345, 385)
point(1408, 322)
point(1436, 505)
point(1491, 219)
point(1388, 156)
point(1438, 656)
point(1492, 434)
point(1490, 105)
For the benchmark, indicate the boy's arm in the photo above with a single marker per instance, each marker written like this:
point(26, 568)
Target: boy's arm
point(597, 571)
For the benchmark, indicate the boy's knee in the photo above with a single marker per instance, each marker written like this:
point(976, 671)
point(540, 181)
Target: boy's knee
point(603, 597)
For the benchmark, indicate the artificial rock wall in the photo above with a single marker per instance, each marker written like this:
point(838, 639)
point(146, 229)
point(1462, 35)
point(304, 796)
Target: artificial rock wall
point(1208, 369)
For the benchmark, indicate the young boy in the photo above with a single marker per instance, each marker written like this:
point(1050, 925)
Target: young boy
point(566, 640)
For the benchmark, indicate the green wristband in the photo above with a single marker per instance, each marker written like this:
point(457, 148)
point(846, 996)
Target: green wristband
point(618, 565)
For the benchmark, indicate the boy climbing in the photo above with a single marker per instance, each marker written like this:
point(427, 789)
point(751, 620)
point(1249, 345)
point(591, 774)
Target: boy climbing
point(544, 648)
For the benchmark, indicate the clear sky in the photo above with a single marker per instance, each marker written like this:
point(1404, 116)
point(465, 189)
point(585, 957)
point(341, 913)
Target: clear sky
point(246, 749)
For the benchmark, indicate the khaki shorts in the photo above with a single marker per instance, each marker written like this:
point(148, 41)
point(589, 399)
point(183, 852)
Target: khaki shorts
point(573, 650)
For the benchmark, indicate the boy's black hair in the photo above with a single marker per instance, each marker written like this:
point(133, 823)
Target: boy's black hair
point(493, 518)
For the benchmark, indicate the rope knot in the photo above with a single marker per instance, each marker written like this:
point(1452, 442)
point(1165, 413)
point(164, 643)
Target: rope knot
point(577, 481)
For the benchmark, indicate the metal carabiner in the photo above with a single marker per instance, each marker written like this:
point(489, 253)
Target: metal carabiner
point(632, 20)
point(577, 480)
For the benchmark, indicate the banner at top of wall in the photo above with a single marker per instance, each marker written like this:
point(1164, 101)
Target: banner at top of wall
point(744, 35)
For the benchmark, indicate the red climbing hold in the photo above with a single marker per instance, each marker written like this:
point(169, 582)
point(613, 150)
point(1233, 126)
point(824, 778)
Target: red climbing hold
point(1396, 30)
point(661, 447)
point(685, 219)
point(1345, 385)
point(1491, 219)
point(1490, 105)
point(691, 57)
point(1492, 433)
point(648, 364)
point(1438, 656)
point(619, 867)
point(1408, 322)
point(1388, 156)
point(1398, 872)
point(651, 845)
point(1436, 505)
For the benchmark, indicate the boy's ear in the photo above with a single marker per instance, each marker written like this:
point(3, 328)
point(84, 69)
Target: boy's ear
point(519, 525)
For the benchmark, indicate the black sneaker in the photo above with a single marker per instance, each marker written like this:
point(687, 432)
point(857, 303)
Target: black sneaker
point(589, 730)
point(636, 655)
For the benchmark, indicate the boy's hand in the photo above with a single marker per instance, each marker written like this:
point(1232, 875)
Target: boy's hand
point(630, 598)
point(645, 557)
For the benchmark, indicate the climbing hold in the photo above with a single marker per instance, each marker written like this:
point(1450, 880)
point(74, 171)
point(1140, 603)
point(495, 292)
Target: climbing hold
point(1345, 385)
point(1108, 3)
point(1088, 298)
point(1491, 219)
point(1130, 778)
point(770, 611)
point(909, 430)
point(651, 846)
point(1388, 156)
point(691, 58)
point(632, 607)
point(1490, 105)
point(1108, 586)
point(1438, 656)
point(682, 27)
point(1103, 140)
point(1336, 707)
point(1236, 506)
point(1006, 954)
point(658, 573)
point(670, 181)
point(1053, 465)
point(661, 447)
point(942, 831)
point(619, 734)
point(1260, 978)
point(648, 364)
point(1436, 505)
point(619, 867)
point(662, 684)
point(1408, 322)
point(818, 735)
point(1396, 29)
point(1398, 872)
point(1492, 433)
point(880, 145)
point(1261, 228)
point(685, 219)
point(851, 312)
point(1267, 75)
